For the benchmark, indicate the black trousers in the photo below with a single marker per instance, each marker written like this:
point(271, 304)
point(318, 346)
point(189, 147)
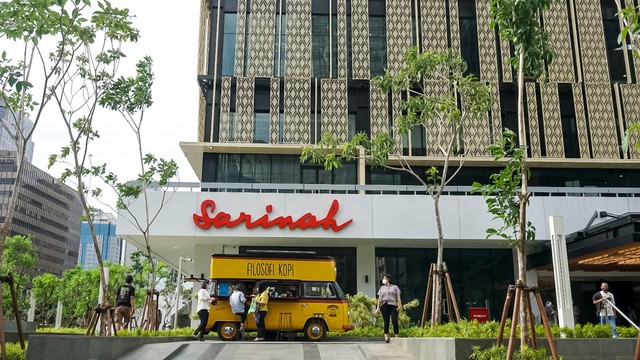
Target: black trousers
point(261, 327)
point(390, 311)
point(204, 317)
point(243, 316)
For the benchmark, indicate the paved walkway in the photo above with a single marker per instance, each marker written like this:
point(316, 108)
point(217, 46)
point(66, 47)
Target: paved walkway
point(195, 350)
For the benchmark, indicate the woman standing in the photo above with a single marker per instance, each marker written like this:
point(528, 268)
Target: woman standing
point(204, 301)
point(262, 299)
point(389, 304)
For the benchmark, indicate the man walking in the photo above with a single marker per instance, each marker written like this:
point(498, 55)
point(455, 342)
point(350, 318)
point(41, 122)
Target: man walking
point(125, 304)
point(604, 302)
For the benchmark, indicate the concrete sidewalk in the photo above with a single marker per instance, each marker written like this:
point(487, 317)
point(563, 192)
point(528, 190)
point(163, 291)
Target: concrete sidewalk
point(269, 350)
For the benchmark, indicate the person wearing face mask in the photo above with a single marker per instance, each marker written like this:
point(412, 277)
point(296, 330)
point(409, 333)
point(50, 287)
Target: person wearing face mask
point(389, 304)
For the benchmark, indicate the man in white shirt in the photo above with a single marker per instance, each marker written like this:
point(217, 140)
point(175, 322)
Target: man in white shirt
point(604, 302)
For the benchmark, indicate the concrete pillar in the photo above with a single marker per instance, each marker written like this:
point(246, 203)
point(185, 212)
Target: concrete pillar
point(201, 265)
point(106, 277)
point(31, 314)
point(366, 269)
point(532, 280)
point(561, 272)
point(59, 315)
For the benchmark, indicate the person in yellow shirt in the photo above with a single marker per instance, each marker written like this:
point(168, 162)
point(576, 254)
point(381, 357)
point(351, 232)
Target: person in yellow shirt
point(262, 300)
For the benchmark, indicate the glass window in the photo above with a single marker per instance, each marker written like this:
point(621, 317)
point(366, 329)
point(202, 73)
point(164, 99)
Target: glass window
point(351, 126)
point(469, 36)
point(280, 41)
point(378, 44)
point(320, 46)
point(480, 277)
point(283, 290)
point(615, 51)
point(349, 48)
point(569, 126)
point(229, 44)
point(319, 290)
point(281, 129)
point(315, 128)
point(247, 37)
point(261, 128)
point(418, 145)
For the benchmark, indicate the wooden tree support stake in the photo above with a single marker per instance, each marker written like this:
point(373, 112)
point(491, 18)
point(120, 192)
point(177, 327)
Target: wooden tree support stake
point(430, 294)
point(104, 315)
point(150, 311)
point(520, 288)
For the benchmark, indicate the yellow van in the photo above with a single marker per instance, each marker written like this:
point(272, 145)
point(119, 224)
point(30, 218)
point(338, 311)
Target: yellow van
point(304, 295)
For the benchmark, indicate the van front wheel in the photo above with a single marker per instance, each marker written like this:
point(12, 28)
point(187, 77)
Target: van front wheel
point(314, 330)
point(227, 331)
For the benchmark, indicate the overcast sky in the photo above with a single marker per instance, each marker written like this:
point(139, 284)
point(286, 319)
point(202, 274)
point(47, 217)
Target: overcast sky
point(169, 34)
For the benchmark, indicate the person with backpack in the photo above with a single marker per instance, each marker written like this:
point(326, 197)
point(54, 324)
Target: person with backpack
point(237, 301)
point(604, 302)
point(125, 303)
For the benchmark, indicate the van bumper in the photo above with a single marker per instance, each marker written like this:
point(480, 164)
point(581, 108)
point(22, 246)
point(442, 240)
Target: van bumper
point(347, 327)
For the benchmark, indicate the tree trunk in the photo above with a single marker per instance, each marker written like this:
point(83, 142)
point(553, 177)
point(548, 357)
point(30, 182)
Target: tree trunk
point(437, 283)
point(87, 211)
point(522, 214)
point(6, 225)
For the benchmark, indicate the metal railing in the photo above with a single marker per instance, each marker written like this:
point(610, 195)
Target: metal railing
point(387, 189)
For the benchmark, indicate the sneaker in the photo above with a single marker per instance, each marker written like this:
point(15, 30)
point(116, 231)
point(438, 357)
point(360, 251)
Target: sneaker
point(387, 340)
point(258, 339)
point(201, 339)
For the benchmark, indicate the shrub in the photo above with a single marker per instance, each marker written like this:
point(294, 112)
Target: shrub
point(500, 353)
point(62, 330)
point(362, 314)
point(14, 352)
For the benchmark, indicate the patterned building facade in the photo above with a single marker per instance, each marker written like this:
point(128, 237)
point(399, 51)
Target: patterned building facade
point(277, 72)
point(47, 211)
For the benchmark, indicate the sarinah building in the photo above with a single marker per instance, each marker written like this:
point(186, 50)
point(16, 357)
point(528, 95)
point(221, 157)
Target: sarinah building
point(275, 74)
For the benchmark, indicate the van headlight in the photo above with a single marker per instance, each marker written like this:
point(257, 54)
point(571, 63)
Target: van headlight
point(349, 314)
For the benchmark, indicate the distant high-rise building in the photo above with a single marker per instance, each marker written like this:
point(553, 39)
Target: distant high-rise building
point(110, 245)
point(46, 210)
point(7, 141)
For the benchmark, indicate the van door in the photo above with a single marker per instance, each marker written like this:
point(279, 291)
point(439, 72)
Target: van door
point(319, 305)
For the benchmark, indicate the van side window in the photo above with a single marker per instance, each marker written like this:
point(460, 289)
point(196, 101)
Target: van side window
point(319, 290)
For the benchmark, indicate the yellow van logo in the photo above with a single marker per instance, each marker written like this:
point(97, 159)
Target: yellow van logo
point(332, 310)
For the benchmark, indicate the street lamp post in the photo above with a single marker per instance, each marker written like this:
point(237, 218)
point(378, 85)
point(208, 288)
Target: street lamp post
point(178, 285)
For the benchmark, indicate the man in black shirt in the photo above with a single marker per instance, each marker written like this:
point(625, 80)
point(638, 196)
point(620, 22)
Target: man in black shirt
point(125, 304)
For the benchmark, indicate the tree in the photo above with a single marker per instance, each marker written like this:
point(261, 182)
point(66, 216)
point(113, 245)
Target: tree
point(96, 61)
point(519, 22)
point(442, 114)
point(30, 25)
point(21, 259)
point(168, 294)
point(46, 290)
point(78, 293)
point(141, 270)
point(131, 97)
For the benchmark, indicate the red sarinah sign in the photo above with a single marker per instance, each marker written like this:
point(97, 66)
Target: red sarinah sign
point(209, 217)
